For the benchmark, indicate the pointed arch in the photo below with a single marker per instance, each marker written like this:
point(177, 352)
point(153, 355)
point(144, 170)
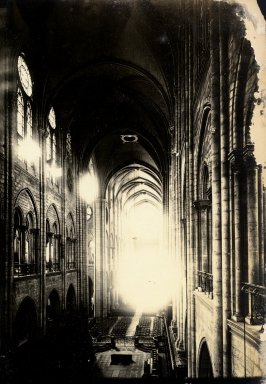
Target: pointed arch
point(25, 235)
point(26, 203)
point(204, 360)
point(53, 308)
point(25, 322)
point(53, 216)
point(71, 303)
point(70, 242)
point(53, 249)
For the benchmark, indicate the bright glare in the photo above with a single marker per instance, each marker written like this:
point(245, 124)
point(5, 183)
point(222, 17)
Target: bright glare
point(29, 150)
point(144, 270)
point(55, 171)
point(88, 186)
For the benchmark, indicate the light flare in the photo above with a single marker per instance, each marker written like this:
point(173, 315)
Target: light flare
point(29, 150)
point(145, 272)
point(88, 187)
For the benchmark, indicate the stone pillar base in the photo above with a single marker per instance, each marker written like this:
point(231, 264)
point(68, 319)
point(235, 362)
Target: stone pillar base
point(250, 320)
point(238, 318)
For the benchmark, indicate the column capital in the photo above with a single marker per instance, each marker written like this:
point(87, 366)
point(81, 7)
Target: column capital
point(236, 160)
point(249, 158)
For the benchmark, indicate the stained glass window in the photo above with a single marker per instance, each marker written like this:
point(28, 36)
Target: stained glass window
point(24, 106)
point(51, 139)
point(51, 118)
point(24, 76)
point(48, 147)
point(54, 147)
point(29, 120)
point(20, 113)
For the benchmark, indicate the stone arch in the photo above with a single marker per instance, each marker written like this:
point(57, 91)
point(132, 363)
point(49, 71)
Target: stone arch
point(52, 307)
point(70, 249)
point(25, 322)
point(53, 236)
point(244, 95)
point(71, 302)
point(26, 203)
point(203, 153)
point(205, 181)
point(204, 360)
point(53, 217)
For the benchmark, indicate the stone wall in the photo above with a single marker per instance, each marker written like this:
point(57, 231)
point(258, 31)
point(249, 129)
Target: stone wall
point(247, 350)
point(203, 323)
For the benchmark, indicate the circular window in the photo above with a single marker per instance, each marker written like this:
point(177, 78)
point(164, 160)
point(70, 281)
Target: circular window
point(129, 138)
point(24, 76)
point(51, 118)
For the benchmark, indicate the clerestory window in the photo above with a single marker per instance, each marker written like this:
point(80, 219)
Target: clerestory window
point(24, 108)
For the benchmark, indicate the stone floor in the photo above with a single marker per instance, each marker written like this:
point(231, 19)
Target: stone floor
point(103, 368)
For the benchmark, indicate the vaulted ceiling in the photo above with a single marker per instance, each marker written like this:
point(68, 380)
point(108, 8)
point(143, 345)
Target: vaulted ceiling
point(108, 69)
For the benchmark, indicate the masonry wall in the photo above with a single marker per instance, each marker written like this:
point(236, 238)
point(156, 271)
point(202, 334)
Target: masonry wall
point(31, 190)
point(247, 350)
point(204, 323)
point(222, 87)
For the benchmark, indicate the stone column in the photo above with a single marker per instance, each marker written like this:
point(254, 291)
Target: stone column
point(225, 205)
point(100, 291)
point(261, 225)
point(191, 283)
point(23, 229)
point(35, 249)
point(216, 192)
point(42, 173)
point(81, 244)
point(204, 247)
point(236, 175)
point(252, 221)
point(203, 252)
point(80, 230)
point(264, 236)
point(63, 240)
point(183, 293)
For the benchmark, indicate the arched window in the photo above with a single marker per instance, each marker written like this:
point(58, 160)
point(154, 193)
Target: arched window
point(25, 238)
point(204, 205)
point(17, 242)
point(30, 245)
point(51, 146)
point(56, 244)
point(70, 247)
point(24, 106)
point(51, 138)
point(52, 248)
point(20, 115)
point(206, 195)
point(28, 238)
